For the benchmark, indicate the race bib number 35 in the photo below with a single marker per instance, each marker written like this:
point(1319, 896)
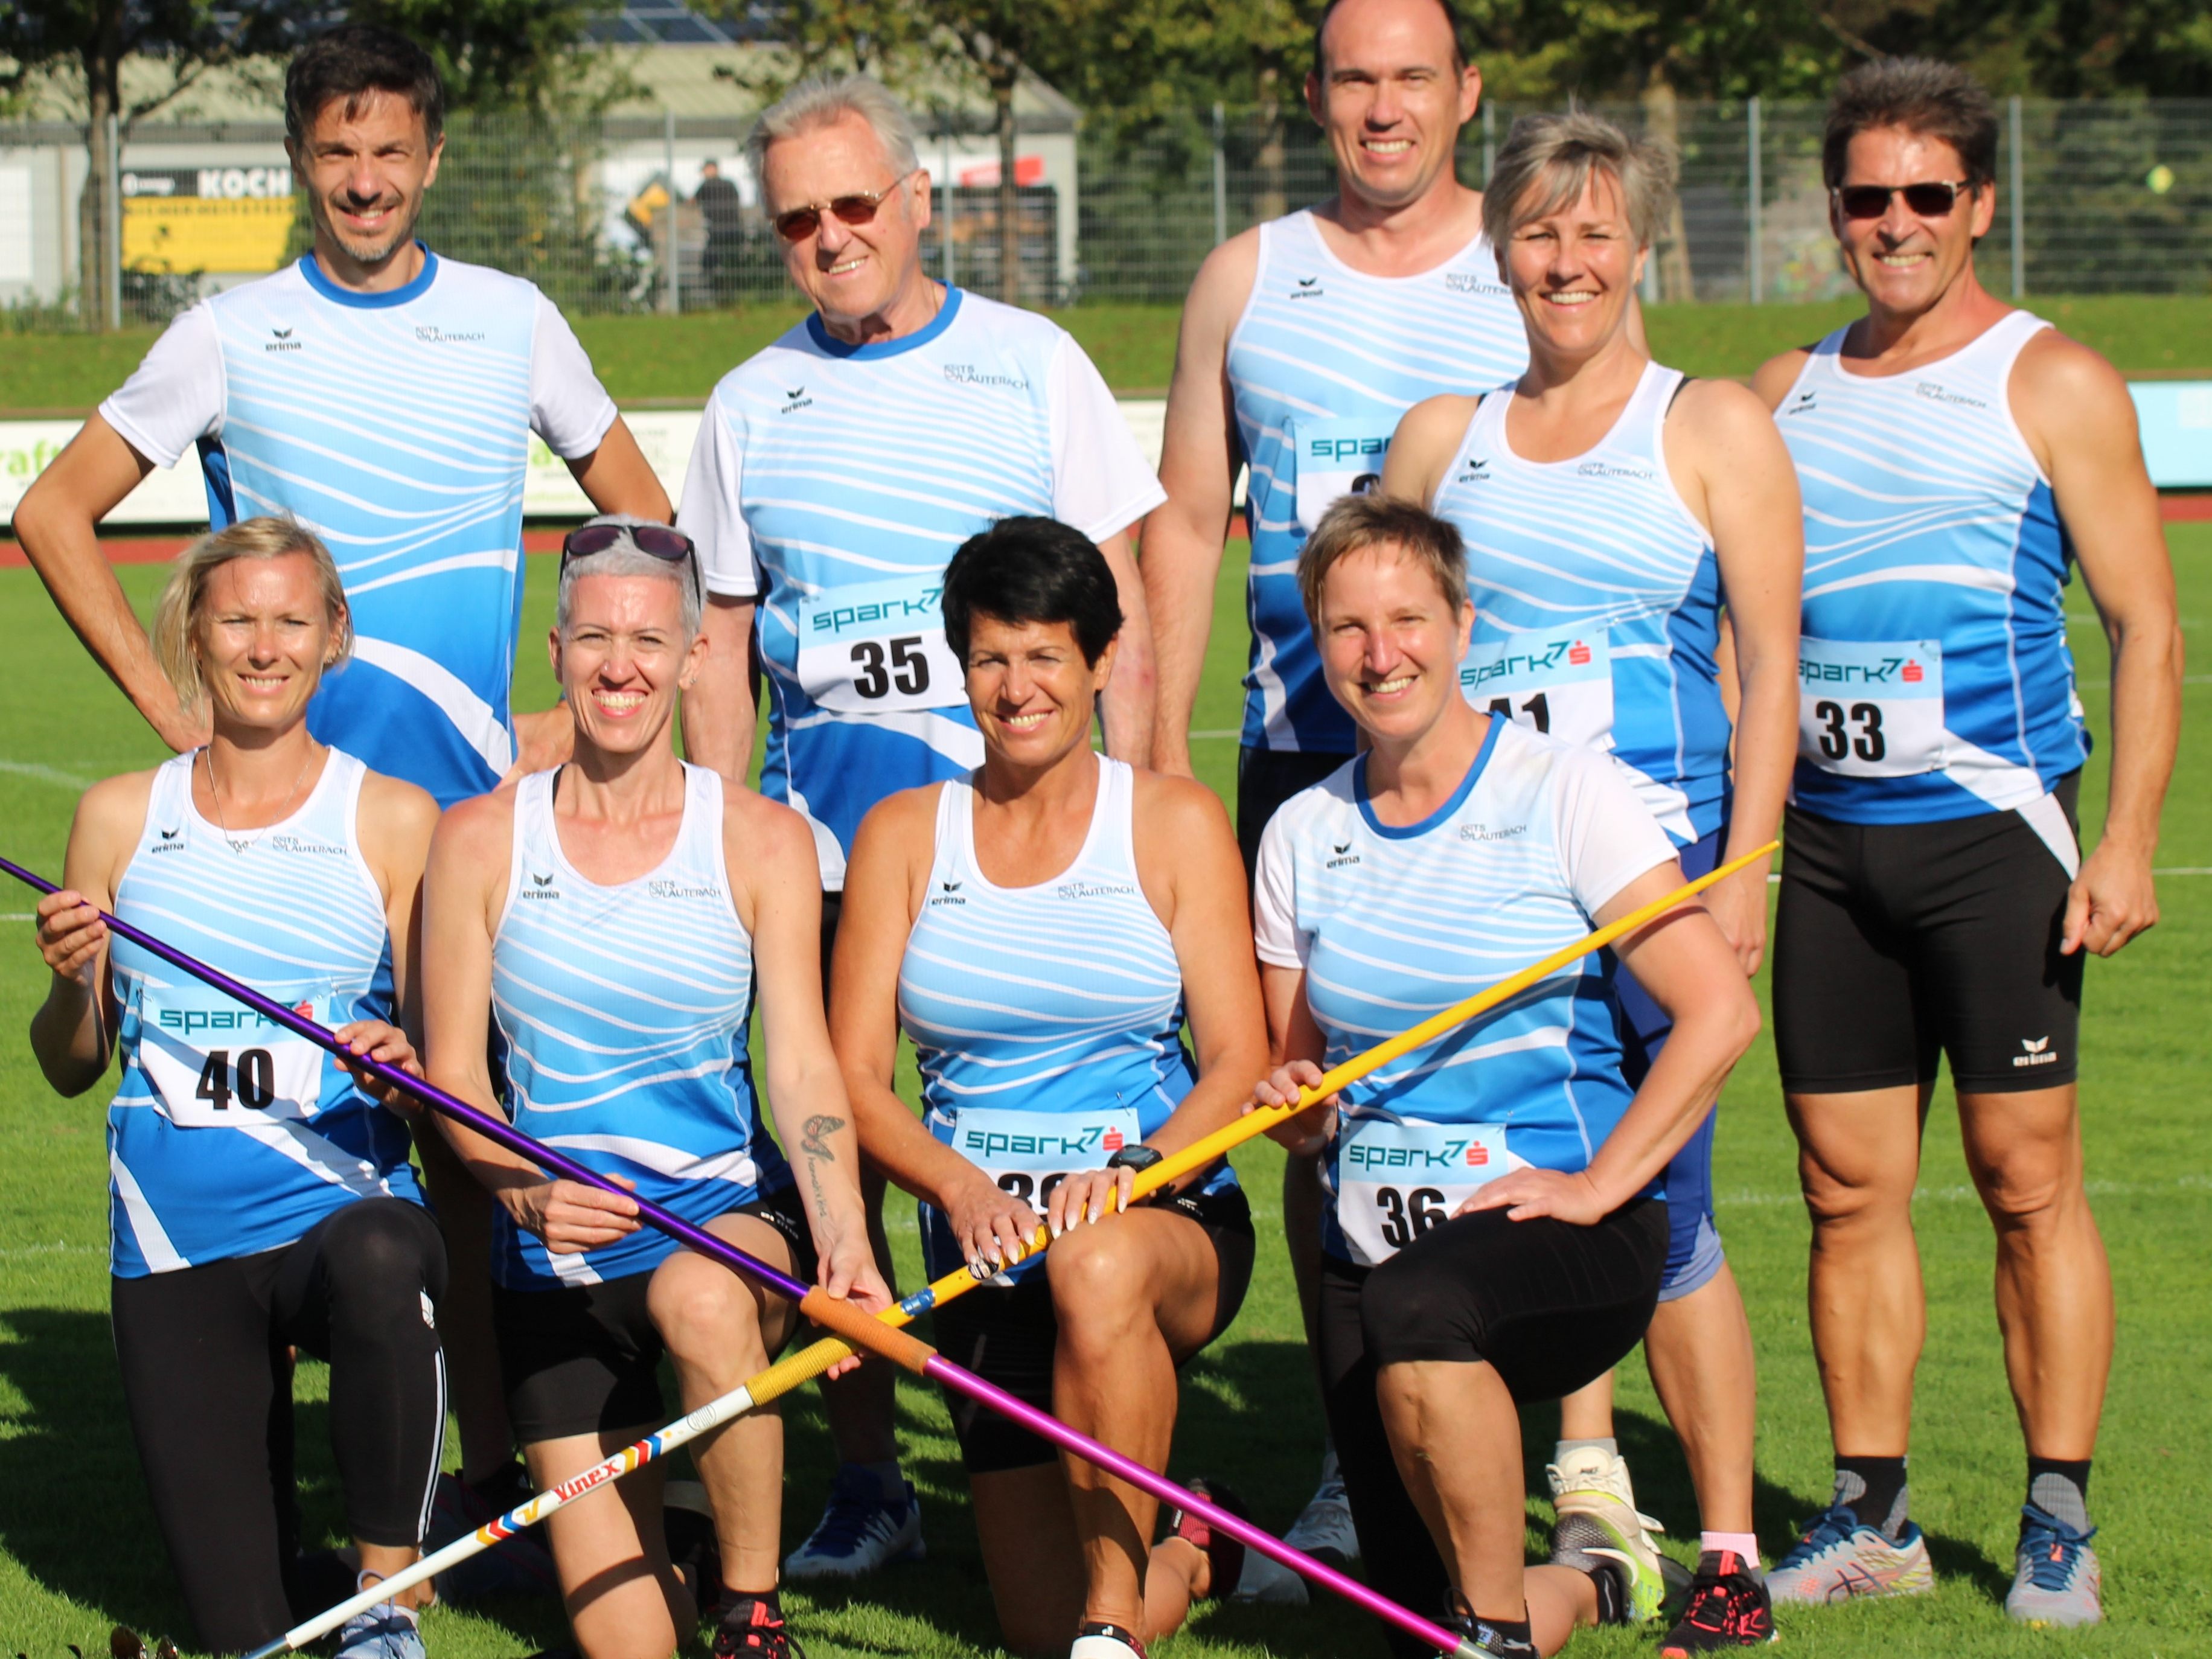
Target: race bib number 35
point(1871, 710)
point(1556, 682)
point(1338, 458)
point(1396, 1180)
point(214, 1063)
point(1029, 1153)
point(878, 649)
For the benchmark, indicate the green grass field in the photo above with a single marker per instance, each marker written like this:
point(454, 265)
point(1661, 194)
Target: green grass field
point(78, 1553)
point(661, 359)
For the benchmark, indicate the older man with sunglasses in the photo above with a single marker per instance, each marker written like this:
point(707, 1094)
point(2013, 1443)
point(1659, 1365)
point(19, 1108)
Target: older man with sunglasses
point(835, 474)
point(1956, 456)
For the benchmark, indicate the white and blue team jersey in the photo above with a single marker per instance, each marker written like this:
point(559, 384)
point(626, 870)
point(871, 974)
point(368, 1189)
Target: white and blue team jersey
point(1322, 364)
point(1597, 602)
point(230, 1135)
point(624, 1013)
point(396, 426)
point(832, 483)
point(1047, 1020)
point(1934, 677)
point(1392, 925)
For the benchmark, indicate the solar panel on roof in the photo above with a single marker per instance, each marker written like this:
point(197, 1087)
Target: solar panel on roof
point(672, 23)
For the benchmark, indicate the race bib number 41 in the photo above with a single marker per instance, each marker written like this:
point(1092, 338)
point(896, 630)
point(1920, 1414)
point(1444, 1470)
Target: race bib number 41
point(878, 649)
point(215, 1062)
point(1029, 1153)
point(1871, 710)
point(1396, 1180)
point(1557, 683)
point(1337, 457)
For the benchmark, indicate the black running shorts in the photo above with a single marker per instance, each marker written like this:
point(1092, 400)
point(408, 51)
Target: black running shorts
point(1895, 942)
point(1266, 778)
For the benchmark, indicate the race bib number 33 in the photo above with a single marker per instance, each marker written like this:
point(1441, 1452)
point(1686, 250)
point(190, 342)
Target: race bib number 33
point(214, 1063)
point(878, 649)
point(1396, 1180)
point(1871, 710)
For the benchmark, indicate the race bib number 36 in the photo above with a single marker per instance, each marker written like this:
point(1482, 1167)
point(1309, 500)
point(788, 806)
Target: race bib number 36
point(1029, 1153)
point(214, 1063)
point(1396, 1180)
point(1871, 710)
point(878, 649)
point(1556, 682)
point(1338, 458)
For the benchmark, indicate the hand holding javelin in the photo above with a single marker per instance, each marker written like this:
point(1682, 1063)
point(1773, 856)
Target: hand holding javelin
point(1309, 1131)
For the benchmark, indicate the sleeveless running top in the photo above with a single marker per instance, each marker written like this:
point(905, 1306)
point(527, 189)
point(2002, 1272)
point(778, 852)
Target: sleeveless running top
point(1047, 1020)
point(1597, 602)
point(1936, 681)
point(1322, 364)
point(624, 1011)
point(229, 1136)
point(1393, 923)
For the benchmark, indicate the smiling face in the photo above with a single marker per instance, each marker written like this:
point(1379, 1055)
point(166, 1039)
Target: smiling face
point(1903, 262)
point(1574, 270)
point(262, 635)
point(623, 659)
point(1391, 642)
point(365, 169)
point(1390, 99)
point(1033, 694)
point(851, 272)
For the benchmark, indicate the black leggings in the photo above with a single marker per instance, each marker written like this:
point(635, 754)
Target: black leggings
point(208, 1380)
point(1552, 1305)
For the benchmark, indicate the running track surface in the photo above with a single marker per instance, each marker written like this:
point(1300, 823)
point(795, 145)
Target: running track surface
point(2194, 508)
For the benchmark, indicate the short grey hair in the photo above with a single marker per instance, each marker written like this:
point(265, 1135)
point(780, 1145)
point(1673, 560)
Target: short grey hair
point(1548, 162)
point(625, 558)
point(821, 100)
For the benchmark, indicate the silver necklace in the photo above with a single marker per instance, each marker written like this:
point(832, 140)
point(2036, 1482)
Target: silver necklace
point(238, 843)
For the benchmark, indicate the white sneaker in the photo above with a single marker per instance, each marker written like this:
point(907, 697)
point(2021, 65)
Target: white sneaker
point(858, 1531)
point(1323, 1528)
point(1267, 1580)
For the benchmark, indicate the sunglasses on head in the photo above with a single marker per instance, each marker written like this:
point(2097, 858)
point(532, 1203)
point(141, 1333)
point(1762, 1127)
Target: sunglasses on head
point(656, 541)
point(858, 209)
point(1926, 201)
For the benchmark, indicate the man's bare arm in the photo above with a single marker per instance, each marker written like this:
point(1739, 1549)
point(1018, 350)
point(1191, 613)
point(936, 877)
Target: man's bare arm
point(619, 479)
point(58, 522)
point(1130, 700)
point(718, 709)
point(1183, 538)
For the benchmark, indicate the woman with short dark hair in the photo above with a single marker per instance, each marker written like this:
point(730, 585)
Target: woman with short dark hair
point(1041, 930)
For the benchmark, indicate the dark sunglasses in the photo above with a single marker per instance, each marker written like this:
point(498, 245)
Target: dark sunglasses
point(1927, 201)
point(654, 540)
point(858, 209)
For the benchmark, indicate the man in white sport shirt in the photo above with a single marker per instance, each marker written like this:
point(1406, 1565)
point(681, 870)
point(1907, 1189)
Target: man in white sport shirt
point(1959, 457)
point(835, 474)
point(1302, 342)
point(385, 397)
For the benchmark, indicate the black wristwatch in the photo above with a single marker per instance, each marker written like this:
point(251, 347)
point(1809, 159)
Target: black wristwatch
point(1139, 1157)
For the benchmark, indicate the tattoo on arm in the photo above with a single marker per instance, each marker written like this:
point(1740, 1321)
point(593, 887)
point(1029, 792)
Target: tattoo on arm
point(815, 1143)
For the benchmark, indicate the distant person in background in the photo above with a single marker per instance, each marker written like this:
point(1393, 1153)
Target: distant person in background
point(385, 397)
point(723, 211)
point(1957, 458)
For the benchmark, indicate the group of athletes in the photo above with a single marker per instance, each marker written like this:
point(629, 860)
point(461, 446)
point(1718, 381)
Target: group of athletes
point(1539, 627)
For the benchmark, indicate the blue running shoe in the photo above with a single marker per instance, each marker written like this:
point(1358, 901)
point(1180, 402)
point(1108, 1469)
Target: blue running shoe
point(2056, 1578)
point(1841, 1559)
point(387, 1631)
point(859, 1531)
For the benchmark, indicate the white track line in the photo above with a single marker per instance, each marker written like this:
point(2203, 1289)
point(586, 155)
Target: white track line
point(46, 774)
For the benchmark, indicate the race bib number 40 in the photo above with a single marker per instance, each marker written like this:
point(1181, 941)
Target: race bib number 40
point(1029, 1153)
point(1871, 710)
point(1557, 683)
point(214, 1063)
point(878, 649)
point(1396, 1180)
point(1337, 457)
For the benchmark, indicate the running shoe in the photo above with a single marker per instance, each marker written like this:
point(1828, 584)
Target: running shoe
point(1098, 1640)
point(2056, 1578)
point(1268, 1582)
point(1598, 1529)
point(859, 1531)
point(752, 1627)
point(387, 1631)
point(1593, 1469)
point(1323, 1528)
point(516, 1566)
point(1728, 1608)
point(1840, 1559)
point(1224, 1555)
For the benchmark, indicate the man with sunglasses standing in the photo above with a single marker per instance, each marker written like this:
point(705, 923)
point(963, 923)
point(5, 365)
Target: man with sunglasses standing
point(835, 474)
point(1955, 454)
point(385, 398)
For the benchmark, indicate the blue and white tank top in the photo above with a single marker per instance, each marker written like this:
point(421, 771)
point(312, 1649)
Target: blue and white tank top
point(1935, 676)
point(1597, 602)
point(1047, 1020)
point(228, 1135)
point(1322, 364)
point(624, 1010)
point(831, 483)
point(1394, 924)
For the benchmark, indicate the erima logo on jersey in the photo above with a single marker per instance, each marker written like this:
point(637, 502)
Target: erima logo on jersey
point(1344, 855)
point(1612, 470)
point(1484, 832)
point(171, 841)
point(1309, 288)
point(796, 398)
point(1904, 669)
point(431, 334)
point(2038, 1052)
point(1928, 389)
point(281, 340)
point(1804, 404)
point(677, 890)
point(1084, 889)
point(1468, 282)
point(541, 887)
point(948, 893)
point(1477, 471)
point(968, 375)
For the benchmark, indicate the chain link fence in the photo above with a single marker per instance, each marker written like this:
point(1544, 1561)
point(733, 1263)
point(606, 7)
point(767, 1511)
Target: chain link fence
point(623, 216)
